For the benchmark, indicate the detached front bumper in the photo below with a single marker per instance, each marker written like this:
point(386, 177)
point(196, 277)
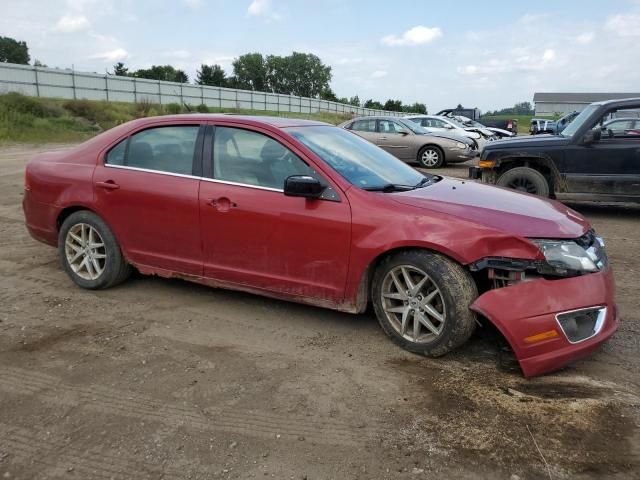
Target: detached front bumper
point(526, 314)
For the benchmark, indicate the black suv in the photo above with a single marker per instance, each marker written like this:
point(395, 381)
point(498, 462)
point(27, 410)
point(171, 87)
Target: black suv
point(586, 161)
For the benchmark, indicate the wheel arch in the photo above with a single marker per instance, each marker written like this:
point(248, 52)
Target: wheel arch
point(364, 288)
point(539, 162)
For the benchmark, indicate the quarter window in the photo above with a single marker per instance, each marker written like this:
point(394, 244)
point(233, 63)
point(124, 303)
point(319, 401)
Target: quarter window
point(165, 149)
point(251, 158)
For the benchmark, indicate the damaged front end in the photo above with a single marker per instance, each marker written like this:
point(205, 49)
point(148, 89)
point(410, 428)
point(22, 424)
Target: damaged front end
point(551, 310)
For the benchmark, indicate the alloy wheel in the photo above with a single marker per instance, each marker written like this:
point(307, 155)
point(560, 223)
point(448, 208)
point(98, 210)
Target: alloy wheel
point(413, 304)
point(85, 251)
point(523, 184)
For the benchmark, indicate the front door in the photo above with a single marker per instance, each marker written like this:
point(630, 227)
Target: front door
point(609, 166)
point(394, 142)
point(147, 193)
point(254, 235)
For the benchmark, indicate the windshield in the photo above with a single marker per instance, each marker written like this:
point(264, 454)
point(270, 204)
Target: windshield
point(361, 163)
point(413, 126)
point(578, 121)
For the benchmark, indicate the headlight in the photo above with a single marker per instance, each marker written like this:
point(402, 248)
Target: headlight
point(461, 145)
point(566, 257)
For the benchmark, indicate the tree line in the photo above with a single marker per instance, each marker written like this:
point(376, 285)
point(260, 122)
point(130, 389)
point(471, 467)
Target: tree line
point(300, 74)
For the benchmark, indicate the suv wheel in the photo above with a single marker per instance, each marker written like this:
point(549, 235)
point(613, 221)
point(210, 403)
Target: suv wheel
point(525, 179)
point(421, 300)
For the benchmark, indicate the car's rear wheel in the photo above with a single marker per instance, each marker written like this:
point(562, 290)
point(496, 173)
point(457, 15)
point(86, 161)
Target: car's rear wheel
point(431, 157)
point(525, 179)
point(422, 301)
point(90, 252)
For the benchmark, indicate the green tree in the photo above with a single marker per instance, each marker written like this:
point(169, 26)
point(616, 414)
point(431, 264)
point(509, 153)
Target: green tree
point(328, 94)
point(38, 63)
point(14, 51)
point(393, 105)
point(311, 76)
point(162, 72)
point(212, 75)
point(120, 70)
point(278, 76)
point(373, 104)
point(355, 101)
point(250, 72)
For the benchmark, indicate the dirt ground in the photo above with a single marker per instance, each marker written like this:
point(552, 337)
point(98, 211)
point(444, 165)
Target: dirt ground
point(160, 379)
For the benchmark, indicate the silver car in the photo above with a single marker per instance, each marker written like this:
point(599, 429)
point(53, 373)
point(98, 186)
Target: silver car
point(411, 143)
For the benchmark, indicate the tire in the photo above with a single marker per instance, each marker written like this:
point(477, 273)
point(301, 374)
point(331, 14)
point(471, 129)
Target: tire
point(89, 267)
point(526, 180)
point(455, 292)
point(431, 156)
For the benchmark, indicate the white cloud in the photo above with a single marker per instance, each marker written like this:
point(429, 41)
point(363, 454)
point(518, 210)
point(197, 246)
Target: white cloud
point(549, 55)
point(379, 74)
point(262, 8)
point(624, 25)
point(468, 69)
point(72, 23)
point(194, 4)
point(585, 38)
point(415, 36)
point(111, 56)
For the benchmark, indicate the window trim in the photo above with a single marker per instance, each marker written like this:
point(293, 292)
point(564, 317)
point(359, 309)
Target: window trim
point(196, 161)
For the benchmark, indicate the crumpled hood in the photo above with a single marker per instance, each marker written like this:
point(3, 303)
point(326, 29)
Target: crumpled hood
point(499, 208)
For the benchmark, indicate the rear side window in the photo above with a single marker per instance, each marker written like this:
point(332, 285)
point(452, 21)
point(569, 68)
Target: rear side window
point(364, 126)
point(165, 149)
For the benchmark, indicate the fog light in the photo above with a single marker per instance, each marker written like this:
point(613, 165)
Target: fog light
point(580, 325)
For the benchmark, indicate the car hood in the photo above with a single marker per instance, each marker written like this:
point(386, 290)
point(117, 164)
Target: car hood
point(498, 208)
point(528, 141)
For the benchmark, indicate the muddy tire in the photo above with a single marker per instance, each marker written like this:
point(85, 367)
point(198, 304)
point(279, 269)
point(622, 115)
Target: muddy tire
point(525, 179)
point(431, 156)
point(90, 253)
point(422, 299)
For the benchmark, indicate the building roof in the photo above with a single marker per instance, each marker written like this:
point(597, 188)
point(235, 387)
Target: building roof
point(555, 97)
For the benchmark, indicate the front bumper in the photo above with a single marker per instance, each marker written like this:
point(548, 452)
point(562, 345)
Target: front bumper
point(459, 156)
point(528, 309)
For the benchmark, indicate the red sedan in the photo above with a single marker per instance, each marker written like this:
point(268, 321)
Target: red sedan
point(308, 212)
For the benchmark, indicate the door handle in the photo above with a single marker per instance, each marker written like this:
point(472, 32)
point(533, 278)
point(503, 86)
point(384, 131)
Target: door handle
point(108, 185)
point(222, 204)
point(384, 138)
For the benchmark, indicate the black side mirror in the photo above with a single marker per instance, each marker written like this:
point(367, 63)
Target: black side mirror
point(592, 136)
point(303, 186)
point(403, 131)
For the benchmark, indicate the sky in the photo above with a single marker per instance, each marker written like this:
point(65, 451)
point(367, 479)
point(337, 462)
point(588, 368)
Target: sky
point(489, 54)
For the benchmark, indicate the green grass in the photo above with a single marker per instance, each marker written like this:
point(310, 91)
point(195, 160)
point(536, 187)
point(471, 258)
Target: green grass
point(42, 120)
point(523, 120)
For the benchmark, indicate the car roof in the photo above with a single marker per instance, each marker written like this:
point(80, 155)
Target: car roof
point(277, 122)
point(620, 102)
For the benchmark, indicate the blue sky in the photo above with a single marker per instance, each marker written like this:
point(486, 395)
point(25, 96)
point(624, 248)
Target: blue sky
point(488, 54)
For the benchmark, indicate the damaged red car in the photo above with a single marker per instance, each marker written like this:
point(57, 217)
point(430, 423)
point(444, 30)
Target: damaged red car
point(308, 212)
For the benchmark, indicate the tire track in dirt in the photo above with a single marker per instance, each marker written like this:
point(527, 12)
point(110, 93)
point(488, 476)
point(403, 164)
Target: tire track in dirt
point(105, 400)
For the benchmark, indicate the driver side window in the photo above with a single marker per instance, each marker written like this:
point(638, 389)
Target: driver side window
point(251, 158)
point(388, 126)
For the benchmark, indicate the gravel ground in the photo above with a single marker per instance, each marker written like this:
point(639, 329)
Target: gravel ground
point(164, 379)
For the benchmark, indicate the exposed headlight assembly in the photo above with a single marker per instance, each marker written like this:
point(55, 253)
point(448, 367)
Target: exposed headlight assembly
point(461, 145)
point(567, 258)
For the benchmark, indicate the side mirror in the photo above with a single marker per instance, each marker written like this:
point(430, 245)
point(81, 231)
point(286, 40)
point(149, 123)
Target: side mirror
point(448, 126)
point(403, 131)
point(592, 136)
point(303, 186)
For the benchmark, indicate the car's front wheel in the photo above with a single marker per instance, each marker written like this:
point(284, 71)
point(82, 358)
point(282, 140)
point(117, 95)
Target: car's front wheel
point(525, 179)
point(90, 252)
point(431, 157)
point(422, 301)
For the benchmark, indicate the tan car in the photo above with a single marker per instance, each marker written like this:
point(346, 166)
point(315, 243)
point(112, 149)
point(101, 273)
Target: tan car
point(411, 143)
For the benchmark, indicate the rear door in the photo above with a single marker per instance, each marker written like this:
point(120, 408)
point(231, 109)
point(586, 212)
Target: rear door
point(146, 189)
point(366, 128)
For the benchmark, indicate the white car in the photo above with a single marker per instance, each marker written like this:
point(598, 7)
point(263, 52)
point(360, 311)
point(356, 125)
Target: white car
point(439, 124)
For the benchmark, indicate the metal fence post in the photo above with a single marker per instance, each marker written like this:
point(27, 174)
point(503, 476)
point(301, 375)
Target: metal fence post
point(202, 95)
point(73, 81)
point(35, 71)
point(159, 93)
point(106, 86)
point(181, 95)
point(135, 90)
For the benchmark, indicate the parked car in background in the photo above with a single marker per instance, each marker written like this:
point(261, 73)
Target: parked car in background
point(621, 126)
point(588, 160)
point(409, 142)
point(436, 124)
point(508, 124)
point(542, 125)
point(308, 212)
point(497, 132)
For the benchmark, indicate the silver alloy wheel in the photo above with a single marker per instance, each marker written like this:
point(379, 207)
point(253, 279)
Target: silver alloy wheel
point(413, 304)
point(430, 157)
point(85, 251)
